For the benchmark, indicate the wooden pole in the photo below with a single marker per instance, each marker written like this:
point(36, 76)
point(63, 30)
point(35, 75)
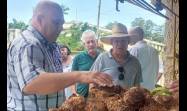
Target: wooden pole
point(98, 19)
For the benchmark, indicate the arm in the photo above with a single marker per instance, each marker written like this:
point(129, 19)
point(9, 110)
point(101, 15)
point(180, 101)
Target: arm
point(33, 79)
point(72, 88)
point(174, 86)
point(158, 67)
point(47, 83)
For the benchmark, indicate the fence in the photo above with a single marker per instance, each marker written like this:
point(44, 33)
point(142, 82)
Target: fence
point(11, 34)
point(158, 46)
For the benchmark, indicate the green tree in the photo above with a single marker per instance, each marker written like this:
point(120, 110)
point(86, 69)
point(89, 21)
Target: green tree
point(65, 9)
point(71, 37)
point(138, 22)
point(109, 25)
point(158, 33)
point(148, 28)
point(17, 25)
point(151, 30)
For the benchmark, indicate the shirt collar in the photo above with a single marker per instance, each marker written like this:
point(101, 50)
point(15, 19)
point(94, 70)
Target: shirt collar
point(97, 53)
point(140, 42)
point(41, 37)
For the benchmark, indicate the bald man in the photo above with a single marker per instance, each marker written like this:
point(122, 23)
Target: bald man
point(35, 81)
point(147, 56)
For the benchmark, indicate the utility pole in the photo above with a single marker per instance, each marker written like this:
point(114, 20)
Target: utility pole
point(98, 18)
point(76, 14)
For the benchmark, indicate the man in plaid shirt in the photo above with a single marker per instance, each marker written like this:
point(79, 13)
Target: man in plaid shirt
point(35, 81)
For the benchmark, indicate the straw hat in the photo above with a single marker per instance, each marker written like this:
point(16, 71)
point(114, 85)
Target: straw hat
point(119, 31)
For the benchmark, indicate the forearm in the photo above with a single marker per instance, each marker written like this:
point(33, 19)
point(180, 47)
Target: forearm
point(47, 83)
point(73, 90)
point(91, 86)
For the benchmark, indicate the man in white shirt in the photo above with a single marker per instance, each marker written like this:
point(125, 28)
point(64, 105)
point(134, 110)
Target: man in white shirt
point(147, 56)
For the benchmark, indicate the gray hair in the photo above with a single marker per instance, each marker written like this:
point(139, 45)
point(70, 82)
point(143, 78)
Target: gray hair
point(139, 30)
point(86, 33)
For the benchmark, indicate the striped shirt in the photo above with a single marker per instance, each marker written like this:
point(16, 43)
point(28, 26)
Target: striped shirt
point(29, 55)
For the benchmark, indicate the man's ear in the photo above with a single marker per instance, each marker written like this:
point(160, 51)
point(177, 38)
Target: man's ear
point(83, 44)
point(40, 19)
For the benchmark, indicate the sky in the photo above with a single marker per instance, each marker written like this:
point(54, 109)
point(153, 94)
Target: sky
point(86, 11)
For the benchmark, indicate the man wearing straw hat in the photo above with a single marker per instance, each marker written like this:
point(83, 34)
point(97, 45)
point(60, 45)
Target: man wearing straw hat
point(124, 68)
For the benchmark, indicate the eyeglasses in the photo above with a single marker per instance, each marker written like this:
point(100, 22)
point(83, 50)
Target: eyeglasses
point(122, 72)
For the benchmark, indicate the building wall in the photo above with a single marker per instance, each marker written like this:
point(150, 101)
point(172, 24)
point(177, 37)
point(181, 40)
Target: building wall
point(172, 42)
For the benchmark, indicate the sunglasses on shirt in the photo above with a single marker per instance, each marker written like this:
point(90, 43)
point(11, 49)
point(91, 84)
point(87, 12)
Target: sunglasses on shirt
point(122, 72)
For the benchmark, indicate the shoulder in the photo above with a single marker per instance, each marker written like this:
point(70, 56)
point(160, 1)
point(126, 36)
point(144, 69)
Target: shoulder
point(79, 56)
point(26, 37)
point(134, 48)
point(153, 50)
point(103, 55)
point(20, 43)
point(134, 60)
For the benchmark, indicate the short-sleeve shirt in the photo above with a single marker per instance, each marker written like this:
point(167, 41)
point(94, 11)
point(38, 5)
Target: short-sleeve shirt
point(132, 69)
point(28, 56)
point(149, 60)
point(67, 68)
point(83, 62)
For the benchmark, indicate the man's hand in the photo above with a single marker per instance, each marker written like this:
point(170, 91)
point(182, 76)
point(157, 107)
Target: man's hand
point(99, 78)
point(174, 86)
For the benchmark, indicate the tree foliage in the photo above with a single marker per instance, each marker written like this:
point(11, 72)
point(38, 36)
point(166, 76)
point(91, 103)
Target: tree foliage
point(151, 30)
point(71, 37)
point(109, 25)
point(65, 9)
point(17, 25)
point(138, 22)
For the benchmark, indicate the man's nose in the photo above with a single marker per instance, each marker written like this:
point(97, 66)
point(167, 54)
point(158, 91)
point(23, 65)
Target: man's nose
point(120, 43)
point(91, 43)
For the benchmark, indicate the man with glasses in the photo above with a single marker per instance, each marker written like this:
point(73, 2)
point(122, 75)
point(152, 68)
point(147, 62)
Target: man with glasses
point(124, 68)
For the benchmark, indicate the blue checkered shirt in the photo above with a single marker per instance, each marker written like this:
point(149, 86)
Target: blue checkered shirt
point(29, 55)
